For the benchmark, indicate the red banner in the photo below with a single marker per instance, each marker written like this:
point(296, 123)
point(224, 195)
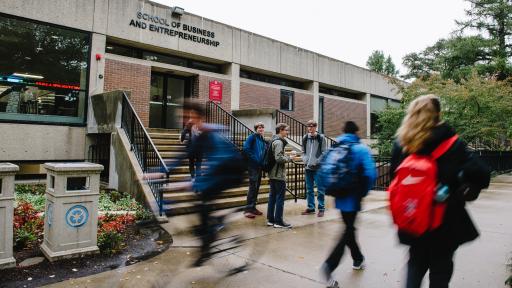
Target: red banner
point(216, 91)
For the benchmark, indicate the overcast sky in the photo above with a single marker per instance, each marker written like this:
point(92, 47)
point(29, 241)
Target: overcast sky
point(348, 30)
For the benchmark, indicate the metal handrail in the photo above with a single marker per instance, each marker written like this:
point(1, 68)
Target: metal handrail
point(297, 129)
point(145, 151)
point(232, 128)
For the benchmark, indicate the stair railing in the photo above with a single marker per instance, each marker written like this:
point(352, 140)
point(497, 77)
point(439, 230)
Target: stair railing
point(232, 128)
point(156, 173)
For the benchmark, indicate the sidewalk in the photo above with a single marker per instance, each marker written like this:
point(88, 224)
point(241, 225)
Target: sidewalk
point(291, 258)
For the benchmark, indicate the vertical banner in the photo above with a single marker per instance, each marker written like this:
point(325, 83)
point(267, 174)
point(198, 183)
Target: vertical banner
point(216, 91)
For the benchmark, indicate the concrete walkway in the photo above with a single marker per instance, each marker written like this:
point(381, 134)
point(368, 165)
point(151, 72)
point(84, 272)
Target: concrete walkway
point(291, 258)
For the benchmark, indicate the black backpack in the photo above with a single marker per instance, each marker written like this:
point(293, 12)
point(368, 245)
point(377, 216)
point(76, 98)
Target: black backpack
point(269, 159)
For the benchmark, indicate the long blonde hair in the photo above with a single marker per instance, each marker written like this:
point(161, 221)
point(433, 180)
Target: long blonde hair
point(423, 114)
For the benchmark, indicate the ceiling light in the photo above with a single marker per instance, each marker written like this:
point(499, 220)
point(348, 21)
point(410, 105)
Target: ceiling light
point(178, 11)
point(27, 76)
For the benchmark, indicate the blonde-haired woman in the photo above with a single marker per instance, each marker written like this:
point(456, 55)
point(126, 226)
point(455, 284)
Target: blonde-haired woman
point(421, 132)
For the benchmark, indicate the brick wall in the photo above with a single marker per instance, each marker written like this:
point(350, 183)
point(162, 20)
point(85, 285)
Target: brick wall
point(135, 78)
point(201, 90)
point(254, 96)
point(336, 112)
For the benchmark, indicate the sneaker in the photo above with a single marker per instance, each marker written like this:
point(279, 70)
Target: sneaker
point(257, 212)
point(333, 284)
point(358, 264)
point(308, 212)
point(320, 213)
point(282, 225)
point(270, 223)
point(327, 276)
point(249, 215)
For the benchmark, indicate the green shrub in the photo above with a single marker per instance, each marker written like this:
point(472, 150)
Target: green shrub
point(110, 242)
point(143, 214)
point(22, 237)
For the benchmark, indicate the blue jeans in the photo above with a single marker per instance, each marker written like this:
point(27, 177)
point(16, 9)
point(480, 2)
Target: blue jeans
point(311, 179)
point(276, 201)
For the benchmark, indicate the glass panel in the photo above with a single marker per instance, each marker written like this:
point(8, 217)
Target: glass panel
point(43, 72)
point(164, 58)
point(377, 104)
point(175, 97)
point(156, 103)
point(286, 100)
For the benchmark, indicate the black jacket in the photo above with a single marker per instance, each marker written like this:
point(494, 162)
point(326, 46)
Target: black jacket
point(457, 227)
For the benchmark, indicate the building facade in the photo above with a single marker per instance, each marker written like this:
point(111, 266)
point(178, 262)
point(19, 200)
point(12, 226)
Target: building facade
point(54, 56)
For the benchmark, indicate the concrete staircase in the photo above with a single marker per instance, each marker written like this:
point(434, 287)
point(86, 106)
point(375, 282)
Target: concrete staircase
point(183, 202)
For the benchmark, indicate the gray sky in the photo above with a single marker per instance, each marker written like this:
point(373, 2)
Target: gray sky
point(348, 30)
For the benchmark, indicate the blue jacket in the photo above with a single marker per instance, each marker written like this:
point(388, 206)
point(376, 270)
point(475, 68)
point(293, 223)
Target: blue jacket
point(362, 157)
point(254, 149)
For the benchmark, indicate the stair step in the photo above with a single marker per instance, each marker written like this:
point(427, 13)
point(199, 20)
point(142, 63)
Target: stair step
point(186, 177)
point(157, 142)
point(170, 154)
point(163, 130)
point(164, 148)
point(177, 197)
point(175, 136)
point(192, 207)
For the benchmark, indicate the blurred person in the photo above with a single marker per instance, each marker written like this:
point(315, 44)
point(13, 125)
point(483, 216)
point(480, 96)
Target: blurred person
point(254, 150)
point(313, 147)
point(421, 135)
point(349, 202)
point(277, 176)
point(188, 135)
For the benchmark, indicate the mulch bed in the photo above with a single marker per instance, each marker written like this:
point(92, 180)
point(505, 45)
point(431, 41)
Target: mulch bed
point(143, 241)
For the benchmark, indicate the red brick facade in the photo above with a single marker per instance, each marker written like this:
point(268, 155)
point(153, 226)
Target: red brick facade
point(201, 90)
point(131, 77)
point(254, 96)
point(336, 112)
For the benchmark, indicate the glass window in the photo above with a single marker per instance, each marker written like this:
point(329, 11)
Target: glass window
point(271, 79)
point(43, 72)
point(286, 100)
point(168, 59)
point(341, 93)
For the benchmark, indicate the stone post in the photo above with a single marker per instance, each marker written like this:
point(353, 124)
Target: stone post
point(7, 172)
point(71, 217)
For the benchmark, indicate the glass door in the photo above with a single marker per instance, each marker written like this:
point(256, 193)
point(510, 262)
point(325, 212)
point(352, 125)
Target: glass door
point(167, 96)
point(156, 102)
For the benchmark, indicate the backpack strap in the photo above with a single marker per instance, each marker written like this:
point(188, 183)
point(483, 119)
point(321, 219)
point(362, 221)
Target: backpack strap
point(444, 146)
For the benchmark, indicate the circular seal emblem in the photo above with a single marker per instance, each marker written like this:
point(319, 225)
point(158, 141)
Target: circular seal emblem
point(77, 216)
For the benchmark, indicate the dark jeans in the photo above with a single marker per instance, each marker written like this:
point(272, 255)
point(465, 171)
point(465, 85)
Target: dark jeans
point(254, 187)
point(276, 201)
point(425, 257)
point(347, 239)
point(194, 166)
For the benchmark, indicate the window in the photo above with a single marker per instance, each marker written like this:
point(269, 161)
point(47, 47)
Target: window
point(43, 72)
point(162, 58)
point(341, 93)
point(271, 79)
point(286, 100)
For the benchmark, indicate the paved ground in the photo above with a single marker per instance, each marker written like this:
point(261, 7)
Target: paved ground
point(291, 258)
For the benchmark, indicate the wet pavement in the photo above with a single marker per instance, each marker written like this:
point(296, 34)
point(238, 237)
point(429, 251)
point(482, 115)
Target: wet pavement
point(291, 258)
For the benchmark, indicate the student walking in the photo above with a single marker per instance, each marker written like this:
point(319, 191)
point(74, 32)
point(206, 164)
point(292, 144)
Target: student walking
point(254, 150)
point(460, 177)
point(362, 166)
point(188, 136)
point(313, 147)
point(277, 177)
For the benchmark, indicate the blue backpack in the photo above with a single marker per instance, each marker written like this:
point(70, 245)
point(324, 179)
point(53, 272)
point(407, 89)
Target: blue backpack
point(335, 175)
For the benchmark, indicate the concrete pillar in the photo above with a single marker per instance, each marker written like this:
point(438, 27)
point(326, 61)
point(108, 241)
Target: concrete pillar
point(71, 215)
point(367, 99)
point(96, 76)
point(7, 172)
point(234, 71)
point(316, 101)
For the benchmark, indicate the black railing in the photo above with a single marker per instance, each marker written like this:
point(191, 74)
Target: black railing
point(156, 173)
point(296, 184)
point(499, 161)
point(383, 165)
point(234, 130)
point(99, 153)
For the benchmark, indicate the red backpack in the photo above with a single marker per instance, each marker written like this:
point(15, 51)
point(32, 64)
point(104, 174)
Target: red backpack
point(412, 192)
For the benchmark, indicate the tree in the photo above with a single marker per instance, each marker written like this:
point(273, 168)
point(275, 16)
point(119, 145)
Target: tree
point(379, 63)
point(477, 108)
point(456, 57)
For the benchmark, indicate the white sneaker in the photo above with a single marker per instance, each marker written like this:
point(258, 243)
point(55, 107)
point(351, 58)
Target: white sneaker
point(270, 223)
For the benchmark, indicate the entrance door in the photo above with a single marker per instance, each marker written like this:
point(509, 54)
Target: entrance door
point(167, 95)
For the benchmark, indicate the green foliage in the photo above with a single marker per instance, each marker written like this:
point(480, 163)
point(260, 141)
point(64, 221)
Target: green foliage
point(22, 237)
point(379, 63)
point(27, 224)
point(476, 108)
point(117, 201)
point(110, 242)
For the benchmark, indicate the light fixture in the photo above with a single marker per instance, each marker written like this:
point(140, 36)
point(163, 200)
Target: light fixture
point(178, 11)
point(27, 76)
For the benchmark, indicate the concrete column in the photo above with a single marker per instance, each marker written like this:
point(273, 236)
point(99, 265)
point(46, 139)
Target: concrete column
point(7, 172)
point(367, 99)
point(234, 71)
point(71, 215)
point(316, 101)
point(96, 76)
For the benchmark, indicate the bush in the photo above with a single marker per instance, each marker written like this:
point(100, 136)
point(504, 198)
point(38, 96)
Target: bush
point(110, 242)
point(110, 232)
point(28, 226)
point(117, 201)
point(33, 194)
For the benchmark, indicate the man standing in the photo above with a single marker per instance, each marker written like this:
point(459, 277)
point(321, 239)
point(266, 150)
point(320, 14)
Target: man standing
point(313, 146)
point(277, 177)
point(254, 149)
point(350, 203)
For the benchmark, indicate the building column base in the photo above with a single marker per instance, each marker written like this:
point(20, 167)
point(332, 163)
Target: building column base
point(73, 253)
point(7, 263)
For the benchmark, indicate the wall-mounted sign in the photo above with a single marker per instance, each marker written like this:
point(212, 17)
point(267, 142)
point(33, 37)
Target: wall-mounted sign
point(171, 28)
point(216, 91)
